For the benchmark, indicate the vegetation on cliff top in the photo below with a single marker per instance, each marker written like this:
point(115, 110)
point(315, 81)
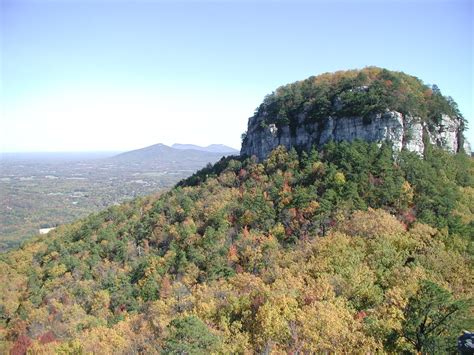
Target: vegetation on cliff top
point(362, 93)
point(332, 251)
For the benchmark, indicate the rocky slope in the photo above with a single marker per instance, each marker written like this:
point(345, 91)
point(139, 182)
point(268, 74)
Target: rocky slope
point(296, 115)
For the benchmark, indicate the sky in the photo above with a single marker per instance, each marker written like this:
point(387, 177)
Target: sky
point(116, 75)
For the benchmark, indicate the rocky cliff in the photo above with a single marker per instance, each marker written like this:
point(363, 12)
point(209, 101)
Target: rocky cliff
point(402, 131)
point(285, 118)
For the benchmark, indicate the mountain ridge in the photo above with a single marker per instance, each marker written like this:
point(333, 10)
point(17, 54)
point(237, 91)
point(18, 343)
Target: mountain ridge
point(160, 153)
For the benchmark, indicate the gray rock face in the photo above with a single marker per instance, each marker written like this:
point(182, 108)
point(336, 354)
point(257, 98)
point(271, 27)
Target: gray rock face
point(446, 134)
point(402, 131)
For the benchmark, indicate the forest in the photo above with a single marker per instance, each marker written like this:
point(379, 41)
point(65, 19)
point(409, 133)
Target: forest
point(350, 249)
point(361, 93)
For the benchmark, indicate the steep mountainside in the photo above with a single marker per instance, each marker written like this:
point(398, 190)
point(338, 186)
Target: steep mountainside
point(371, 104)
point(324, 252)
point(347, 247)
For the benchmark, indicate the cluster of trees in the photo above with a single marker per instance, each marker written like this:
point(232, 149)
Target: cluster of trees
point(361, 93)
point(336, 250)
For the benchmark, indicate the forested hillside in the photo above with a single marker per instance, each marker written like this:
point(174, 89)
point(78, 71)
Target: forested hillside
point(343, 250)
point(45, 190)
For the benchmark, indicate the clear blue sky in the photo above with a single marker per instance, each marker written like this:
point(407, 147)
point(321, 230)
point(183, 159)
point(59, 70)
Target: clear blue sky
point(118, 75)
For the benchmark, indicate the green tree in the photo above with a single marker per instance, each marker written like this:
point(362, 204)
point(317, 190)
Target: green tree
point(189, 335)
point(433, 319)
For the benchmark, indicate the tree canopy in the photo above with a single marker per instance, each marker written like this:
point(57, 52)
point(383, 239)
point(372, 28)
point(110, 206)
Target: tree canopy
point(357, 93)
point(337, 250)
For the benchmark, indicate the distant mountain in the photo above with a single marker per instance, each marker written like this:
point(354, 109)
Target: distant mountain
point(163, 156)
point(213, 148)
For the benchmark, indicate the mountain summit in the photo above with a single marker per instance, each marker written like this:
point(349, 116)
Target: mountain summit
point(161, 155)
point(372, 104)
point(162, 152)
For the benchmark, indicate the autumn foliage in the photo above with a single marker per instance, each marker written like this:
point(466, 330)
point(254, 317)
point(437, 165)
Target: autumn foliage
point(323, 252)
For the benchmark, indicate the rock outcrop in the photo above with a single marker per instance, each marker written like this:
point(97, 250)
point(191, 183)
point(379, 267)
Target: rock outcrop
point(403, 132)
point(287, 116)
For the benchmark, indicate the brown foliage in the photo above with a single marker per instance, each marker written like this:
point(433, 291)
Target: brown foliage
point(21, 345)
point(47, 337)
point(372, 223)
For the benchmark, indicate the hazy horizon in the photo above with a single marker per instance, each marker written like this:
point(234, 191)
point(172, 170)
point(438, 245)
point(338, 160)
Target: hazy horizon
point(108, 75)
point(104, 151)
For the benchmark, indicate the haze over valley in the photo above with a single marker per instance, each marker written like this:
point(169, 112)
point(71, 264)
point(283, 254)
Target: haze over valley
point(41, 190)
